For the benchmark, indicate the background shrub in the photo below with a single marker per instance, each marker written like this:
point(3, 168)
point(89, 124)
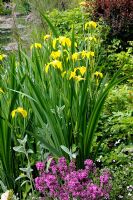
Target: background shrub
point(118, 14)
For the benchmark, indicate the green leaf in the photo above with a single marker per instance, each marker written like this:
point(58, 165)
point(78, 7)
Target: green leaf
point(19, 149)
point(23, 142)
point(73, 41)
point(27, 181)
point(65, 149)
point(48, 164)
point(20, 177)
point(48, 146)
point(27, 170)
point(30, 151)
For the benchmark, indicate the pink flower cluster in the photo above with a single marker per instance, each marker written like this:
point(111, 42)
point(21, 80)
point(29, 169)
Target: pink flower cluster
point(64, 182)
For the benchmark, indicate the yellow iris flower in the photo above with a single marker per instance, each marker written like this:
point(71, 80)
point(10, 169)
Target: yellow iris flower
point(83, 54)
point(46, 37)
point(2, 56)
point(82, 70)
point(56, 64)
point(19, 110)
point(88, 54)
point(55, 54)
point(72, 74)
point(47, 67)
point(54, 42)
point(75, 56)
point(90, 24)
point(98, 74)
point(92, 39)
point(64, 41)
point(36, 45)
point(79, 78)
point(75, 77)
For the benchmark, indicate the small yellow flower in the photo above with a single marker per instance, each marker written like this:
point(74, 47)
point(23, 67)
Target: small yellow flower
point(90, 54)
point(82, 70)
point(64, 41)
point(46, 37)
point(75, 69)
point(72, 75)
point(57, 64)
point(86, 54)
point(1, 91)
point(98, 74)
point(79, 78)
point(19, 110)
point(2, 56)
point(92, 39)
point(75, 56)
point(54, 43)
point(55, 54)
point(83, 54)
point(47, 67)
point(90, 24)
point(36, 45)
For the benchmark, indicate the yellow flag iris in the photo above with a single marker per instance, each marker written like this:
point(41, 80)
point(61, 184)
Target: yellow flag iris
point(72, 74)
point(54, 42)
point(46, 37)
point(75, 56)
point(90, 24)
point(79, 78)
point(92, 39)
point(55, 54)
point(19, 110)
point(56, 64)
point(36, 45)
point(2, 56)
point(87, 54)
point(82, 70)
point(64, 41)
point(98, 74)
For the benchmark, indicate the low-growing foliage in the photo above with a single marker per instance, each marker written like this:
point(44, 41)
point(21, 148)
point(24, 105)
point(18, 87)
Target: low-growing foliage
point(122, 181)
